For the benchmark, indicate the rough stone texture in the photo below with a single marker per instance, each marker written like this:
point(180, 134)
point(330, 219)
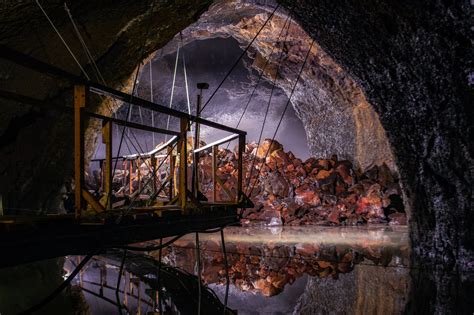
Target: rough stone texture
point(36, 145)
point(367, 290)
point(24, 286)
point(336, 116)
point(412, 60)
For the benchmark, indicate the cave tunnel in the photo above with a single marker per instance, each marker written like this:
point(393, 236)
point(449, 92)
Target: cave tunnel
point(351, 192)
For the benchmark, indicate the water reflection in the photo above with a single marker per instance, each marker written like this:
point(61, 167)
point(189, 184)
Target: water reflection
point(305, 269)
point(278, 270)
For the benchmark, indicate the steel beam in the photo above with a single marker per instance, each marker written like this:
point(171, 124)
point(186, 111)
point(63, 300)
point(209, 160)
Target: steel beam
point(42, 67)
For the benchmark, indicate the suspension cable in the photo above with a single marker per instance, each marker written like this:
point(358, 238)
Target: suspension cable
point(280, 59)
point(101, 78)
point(172, 87)
point(185, 76)
point(267, 62)
point(151, 100)
point(63, 41)
point(240, 57)
point(284, 111)
point(134, 86)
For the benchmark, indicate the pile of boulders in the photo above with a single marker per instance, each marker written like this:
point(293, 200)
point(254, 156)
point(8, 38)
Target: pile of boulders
point(287, 190)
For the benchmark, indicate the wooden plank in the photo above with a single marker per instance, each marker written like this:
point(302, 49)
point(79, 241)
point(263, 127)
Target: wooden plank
point(107, 140)
point(95, 204)
point(227, 192)
point(154, 151)
point(240, 167)
point(130, 180)
point(217, 142)
point(215, 150)
point(172, 172)
point(183, 163)
point(50, 70)
point(133, 125)
point(79, 104)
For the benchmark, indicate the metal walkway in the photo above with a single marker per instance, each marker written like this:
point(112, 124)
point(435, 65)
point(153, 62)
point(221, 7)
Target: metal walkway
point(173, 204)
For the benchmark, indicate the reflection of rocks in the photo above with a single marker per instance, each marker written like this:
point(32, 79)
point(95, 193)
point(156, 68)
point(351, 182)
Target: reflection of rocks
point(269, 267)
point(317, 191)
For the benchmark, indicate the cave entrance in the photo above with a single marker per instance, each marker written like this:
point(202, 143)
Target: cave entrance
point(208, 60)
point(329, 120)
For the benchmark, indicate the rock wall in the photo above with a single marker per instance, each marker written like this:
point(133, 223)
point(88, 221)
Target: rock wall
point(336, 116)
point(36, 145)
point(412, 59)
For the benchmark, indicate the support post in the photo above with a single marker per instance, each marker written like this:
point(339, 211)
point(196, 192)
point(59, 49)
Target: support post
point(139, 175)
point(107, 140)
point(195, 186)
point(196, 146)
point(240, 168)
point(130, 173)
point(215, 150)
point(172, 171)
point(124, 168)
point(153, 167)
point(102, 183)
point(183, 163)
point(79, 103)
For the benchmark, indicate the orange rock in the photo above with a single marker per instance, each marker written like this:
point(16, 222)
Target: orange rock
point(324, 164)
point(323, 174)
point(309, 197)
point(324, 264)
point(334, 216)
point(268, 145)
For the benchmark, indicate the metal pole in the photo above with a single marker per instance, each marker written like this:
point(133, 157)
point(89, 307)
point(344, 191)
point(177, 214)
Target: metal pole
point(196, 146)
point(200, 86)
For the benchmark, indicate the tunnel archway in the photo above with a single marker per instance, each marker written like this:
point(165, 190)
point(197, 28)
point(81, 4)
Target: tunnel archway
point(399, 55)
